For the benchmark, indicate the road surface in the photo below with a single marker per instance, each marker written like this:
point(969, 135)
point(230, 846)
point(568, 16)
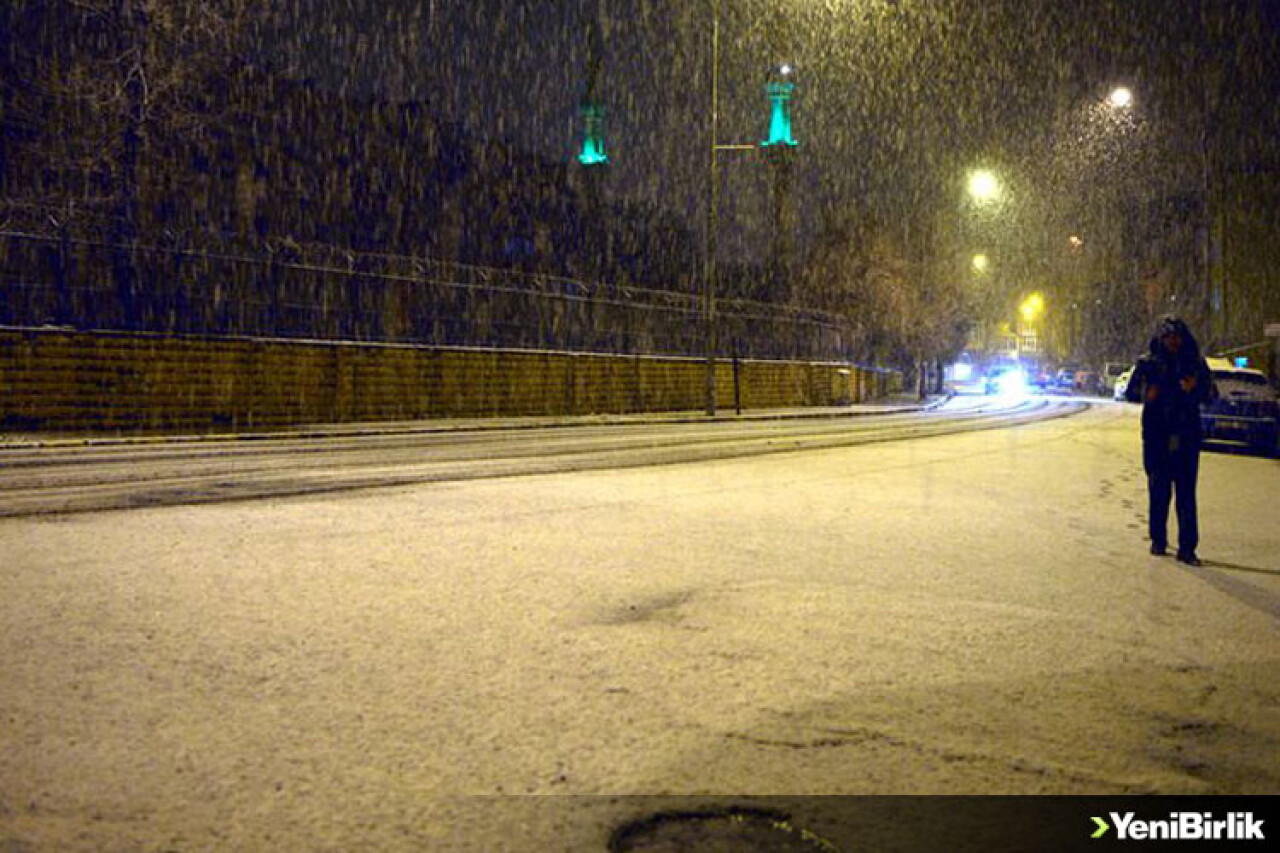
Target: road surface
point(52, 475)
point(397, 668)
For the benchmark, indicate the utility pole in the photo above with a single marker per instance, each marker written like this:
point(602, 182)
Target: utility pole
point(1211, 249)
point(780, 135)
point(133, 23)
point(713, 213)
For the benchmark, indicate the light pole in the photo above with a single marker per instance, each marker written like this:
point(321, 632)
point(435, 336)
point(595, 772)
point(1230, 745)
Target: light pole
point(713, 213)
point(780, 133)
point(1028, 331)
point(1212, 296)
point(979, 200)
point(1108, 205)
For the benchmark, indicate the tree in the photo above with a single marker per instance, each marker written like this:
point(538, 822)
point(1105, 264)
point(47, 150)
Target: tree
point(92, 85)
point(902, 314)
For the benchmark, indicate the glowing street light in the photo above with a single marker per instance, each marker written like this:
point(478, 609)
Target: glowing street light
point(1120, 97)
point(981, 263)
point(983, 186)
point(1032, 307)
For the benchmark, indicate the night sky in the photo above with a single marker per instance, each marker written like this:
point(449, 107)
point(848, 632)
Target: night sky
point(895, 97)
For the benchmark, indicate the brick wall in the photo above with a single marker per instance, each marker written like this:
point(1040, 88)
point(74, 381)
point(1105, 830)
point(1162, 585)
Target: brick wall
point(60, 380)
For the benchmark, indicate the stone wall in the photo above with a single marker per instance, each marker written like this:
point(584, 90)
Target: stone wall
point(60, 380)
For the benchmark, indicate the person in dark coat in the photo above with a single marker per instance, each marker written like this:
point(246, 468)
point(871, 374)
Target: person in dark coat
point(1171, 381)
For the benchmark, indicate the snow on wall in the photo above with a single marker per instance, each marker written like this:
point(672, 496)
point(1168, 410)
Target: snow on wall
point(59, 380)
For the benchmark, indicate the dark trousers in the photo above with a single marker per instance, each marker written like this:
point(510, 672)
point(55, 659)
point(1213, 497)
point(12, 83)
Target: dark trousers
point(1170, 473)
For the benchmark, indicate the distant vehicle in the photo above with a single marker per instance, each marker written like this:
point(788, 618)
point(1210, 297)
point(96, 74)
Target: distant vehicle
point(965, 379)
point(1121, 385)
point(1246, 409)
point(1086, 382)
point(1007, 380)
point(1066, 378)
point(1111, 371)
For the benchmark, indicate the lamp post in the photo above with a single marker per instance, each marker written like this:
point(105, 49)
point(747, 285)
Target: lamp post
point(780, 139)
point(978, 200)
point(713, 212)
point(1030, 311)
point(1098, 164)
point(1213, 295)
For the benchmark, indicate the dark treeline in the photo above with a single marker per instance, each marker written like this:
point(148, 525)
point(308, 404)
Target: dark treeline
point(160, 124)
point(133, 129)
point(160, 172)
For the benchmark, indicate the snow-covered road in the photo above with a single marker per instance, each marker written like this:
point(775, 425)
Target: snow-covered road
point(51, 475)
point(968, 613)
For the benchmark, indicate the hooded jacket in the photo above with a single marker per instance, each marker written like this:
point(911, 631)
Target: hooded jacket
point(1169, 410)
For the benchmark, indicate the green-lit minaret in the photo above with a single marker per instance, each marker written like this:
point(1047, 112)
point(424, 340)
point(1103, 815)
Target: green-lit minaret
point(779, 91)
point(780, 153)
point(589, 177)
point(592, 153)
point(591, 108)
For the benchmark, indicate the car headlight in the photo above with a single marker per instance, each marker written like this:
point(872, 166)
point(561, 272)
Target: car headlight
point(1013, 382)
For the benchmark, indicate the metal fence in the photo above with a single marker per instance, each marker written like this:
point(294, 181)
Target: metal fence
point(320, 292)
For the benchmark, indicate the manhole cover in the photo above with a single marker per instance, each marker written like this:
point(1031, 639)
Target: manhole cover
point(729, 830)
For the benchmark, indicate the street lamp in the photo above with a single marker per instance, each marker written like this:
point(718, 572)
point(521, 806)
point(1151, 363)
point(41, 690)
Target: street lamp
point(1097, 161)
point(1030, 311)
point(979, 207)
point(1032, 307)
point(780, 134)
point(713, 207)
point(1120, 97)
point(983, 186)
point(1213, 291)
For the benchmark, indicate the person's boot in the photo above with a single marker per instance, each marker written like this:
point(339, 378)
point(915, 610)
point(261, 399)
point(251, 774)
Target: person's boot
point(1158, 550)
point(1190, 558)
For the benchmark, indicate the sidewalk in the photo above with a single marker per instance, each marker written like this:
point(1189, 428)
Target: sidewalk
point(895, 404)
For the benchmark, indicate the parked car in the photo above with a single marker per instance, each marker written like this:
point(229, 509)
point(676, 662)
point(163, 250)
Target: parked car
point(1086, 382)
point(1246, 408)
point(1066, 378)
point(1111, 371)
point(1121, 385)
